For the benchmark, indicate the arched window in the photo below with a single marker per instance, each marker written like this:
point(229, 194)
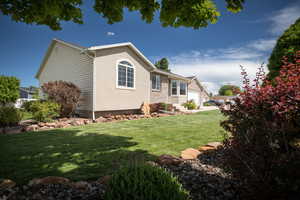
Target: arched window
point(125, 75)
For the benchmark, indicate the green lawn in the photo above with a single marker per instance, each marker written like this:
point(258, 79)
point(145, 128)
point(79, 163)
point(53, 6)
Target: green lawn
point(91, 151)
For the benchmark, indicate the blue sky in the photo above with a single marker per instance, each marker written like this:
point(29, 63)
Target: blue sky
point(213, 53)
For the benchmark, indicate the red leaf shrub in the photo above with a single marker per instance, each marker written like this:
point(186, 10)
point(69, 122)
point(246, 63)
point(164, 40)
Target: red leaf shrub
point(264, 125)
point(66, 94)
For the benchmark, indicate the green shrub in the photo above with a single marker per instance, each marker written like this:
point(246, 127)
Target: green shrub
point(208, 104)
point(43, 111)
point(287, 45)
point(9, 89)
point(144, 182)
point(10, 116)
point(27, 106)
point(190, 105)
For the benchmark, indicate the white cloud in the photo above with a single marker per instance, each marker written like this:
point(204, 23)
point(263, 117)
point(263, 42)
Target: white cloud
point(110, 33)
point(283, 18)
point(263, 44)
point(216, 67)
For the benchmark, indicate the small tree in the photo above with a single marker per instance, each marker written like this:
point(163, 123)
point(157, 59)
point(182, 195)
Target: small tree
point(9, 89)
point(66, 94)
point(286, 45)
point(264, 124)
point(163, 64)
point(229, 90)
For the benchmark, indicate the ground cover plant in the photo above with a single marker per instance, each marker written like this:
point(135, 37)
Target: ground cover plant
point(144, 182)
point(91, 151)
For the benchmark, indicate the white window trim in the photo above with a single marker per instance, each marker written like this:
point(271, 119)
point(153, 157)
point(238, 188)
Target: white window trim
point(156, 90)
point(186, 88)
point(174, 95)
point(178, 88)
point(117, 75)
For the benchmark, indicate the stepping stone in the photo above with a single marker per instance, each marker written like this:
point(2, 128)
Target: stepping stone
point(214, 144)
point(190, 154)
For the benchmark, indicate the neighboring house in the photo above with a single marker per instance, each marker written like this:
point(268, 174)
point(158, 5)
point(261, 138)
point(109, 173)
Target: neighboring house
point(26, 94)
point(223, 99)
point(114, 78)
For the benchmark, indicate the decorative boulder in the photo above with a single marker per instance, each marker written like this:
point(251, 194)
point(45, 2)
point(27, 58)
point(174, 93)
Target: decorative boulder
point(190, 154)
point(49, 180)
point(100, 119)
point(33, 127)
point(206, 148)
point(104, 180)
point(7, 183)
point(214, 144)
point(168, 160)
point(145, 108)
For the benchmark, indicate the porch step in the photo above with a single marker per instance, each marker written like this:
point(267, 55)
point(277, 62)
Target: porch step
point(179, 107)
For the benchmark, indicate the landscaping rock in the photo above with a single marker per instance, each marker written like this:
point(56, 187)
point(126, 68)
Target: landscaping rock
point(145, 109)
point(54, 192)
point(205, 178)
point(41, 124)
point(190, 153)
point(80, 185)
point(100, 119)
point(49, 180)
point(104, 180)
point(206, 148)
point(7, 183)
point(214, 144)
point(168, 160)
point(50, 124)
point(43, 128)
point(33, 127)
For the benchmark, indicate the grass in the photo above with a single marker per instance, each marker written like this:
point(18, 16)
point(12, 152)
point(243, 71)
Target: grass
point(91, 151)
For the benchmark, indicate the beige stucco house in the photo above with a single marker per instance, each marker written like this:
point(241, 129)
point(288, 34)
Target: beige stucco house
point(115, 78)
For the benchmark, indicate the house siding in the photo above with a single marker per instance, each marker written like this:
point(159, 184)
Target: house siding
point(163, 94)
point(195, 87)
point(107, 96)
point(68, 64)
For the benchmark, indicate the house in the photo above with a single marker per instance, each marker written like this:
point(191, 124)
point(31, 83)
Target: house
point(115, 78)
point(26, 94)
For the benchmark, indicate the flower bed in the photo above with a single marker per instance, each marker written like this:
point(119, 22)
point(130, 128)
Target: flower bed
point(31, 125)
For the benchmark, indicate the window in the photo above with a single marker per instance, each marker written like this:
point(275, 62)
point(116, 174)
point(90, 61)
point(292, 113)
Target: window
point(155, 82)
point(182, 88)
point(173, 87)
point(125, 75)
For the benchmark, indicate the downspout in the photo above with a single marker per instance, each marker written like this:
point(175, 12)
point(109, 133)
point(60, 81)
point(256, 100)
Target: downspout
point(94, 80)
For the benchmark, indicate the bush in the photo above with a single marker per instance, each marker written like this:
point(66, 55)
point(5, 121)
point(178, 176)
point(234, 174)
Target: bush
point(156, 107)
point(27, 106)
point(263, 148)
point(208, 104)
point(44, 111)
point(10, 116)
point(190, 105)
point(229, 90)
point(144, 182)
point(9, 89)
point(66, 94)
point(286, 45)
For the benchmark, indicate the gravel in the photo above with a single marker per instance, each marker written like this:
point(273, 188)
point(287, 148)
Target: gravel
point(205, 177)
point(53, 192)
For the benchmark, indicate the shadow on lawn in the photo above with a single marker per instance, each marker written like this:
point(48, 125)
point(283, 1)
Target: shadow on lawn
point(67, 153)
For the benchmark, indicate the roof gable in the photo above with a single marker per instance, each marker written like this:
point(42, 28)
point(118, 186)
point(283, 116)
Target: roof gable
point(50, 49)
